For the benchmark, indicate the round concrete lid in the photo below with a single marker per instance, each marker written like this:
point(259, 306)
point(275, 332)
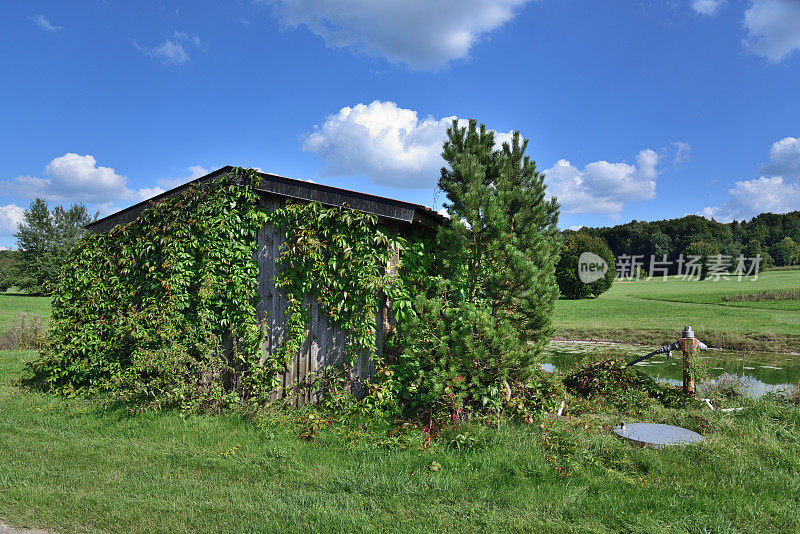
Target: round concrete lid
point(654, 435)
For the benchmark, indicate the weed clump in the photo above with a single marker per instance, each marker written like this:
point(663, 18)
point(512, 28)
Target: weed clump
point(725, 386)
point(793, 394)
point(28, 333)
point(612, 379)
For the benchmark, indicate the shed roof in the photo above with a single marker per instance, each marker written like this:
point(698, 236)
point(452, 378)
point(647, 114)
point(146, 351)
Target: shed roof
point(386, 208)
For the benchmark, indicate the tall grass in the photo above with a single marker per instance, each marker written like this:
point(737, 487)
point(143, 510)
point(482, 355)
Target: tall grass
point(790, 294)
point(29, 332)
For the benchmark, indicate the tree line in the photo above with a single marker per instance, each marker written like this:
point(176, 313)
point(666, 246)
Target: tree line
point(47, 234)
point(775, 237)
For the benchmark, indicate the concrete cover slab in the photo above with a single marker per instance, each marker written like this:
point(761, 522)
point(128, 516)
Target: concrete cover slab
point(655, 436)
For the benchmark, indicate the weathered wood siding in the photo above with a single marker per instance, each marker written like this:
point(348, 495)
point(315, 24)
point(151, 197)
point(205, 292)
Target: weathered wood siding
point(322, 351)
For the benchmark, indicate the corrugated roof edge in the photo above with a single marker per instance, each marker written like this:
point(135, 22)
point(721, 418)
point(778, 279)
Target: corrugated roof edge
point(302, 190)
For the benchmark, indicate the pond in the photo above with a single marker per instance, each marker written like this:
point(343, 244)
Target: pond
point(764, 372)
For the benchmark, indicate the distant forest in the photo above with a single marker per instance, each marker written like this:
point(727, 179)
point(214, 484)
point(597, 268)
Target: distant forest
point(775, 237)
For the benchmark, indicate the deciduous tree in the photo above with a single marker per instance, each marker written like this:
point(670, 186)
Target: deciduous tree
point(44, 239)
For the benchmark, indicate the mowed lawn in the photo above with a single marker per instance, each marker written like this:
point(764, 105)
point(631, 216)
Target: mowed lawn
point(660, 307)
point(12, 305)
point(73, 466)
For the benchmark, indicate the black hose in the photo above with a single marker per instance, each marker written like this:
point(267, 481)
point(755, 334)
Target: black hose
point(659, 351)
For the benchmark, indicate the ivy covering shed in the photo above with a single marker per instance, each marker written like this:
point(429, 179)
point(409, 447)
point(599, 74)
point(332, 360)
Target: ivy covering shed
point(237, 284)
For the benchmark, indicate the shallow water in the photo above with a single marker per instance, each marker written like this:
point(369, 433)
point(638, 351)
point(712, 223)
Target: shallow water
point(764, 372)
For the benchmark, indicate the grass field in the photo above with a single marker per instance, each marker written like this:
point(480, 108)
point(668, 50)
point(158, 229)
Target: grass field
point(74, 466)
point(11, 306)
point(655, 311)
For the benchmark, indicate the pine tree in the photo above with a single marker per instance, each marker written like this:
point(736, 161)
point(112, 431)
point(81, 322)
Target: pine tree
point(504, 233)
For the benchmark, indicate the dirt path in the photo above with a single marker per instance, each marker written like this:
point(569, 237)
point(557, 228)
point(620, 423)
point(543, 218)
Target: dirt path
point(5, 529)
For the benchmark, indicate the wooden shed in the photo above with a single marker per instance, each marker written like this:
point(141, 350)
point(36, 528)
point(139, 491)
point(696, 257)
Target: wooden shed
point(322, 350)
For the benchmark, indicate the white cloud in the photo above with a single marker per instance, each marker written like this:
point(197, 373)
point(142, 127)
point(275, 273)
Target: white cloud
point(706, 7)
point(773, 28)
point(195, 171)
point(148, 192)
point(784, 158)
point(710, 212)
point(683, 151)
point(45, 24)
point(171, 51)
point(10, 216)
point(769, 193)
point(389, 145)
point(418, 33)
point(748, 198)
point(603, 187)
point(72, 177)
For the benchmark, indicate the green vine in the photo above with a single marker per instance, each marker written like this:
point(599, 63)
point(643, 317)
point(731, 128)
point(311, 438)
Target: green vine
point(163, 309)
point(338, 258)
point(154, 308)
point(697, 367)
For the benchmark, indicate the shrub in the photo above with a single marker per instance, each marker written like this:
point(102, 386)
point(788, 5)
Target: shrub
point(544, 392)
point(793, 393)
point(789, 294)
point(452, 359)
point(27, 333)
point(567, 274)
point(701, 251)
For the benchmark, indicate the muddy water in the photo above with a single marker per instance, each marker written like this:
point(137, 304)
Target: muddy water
point(763, 372)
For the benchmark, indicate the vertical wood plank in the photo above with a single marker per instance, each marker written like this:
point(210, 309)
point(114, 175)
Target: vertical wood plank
point(322, 352)
point(313, 352)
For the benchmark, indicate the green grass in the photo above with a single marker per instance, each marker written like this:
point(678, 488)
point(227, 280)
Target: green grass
point(73, 466)
point(11, 306)
point(655, 311)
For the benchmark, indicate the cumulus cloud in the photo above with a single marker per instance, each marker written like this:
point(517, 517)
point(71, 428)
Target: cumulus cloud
point(195, 171)
point(171, 51)
point(10, 216)
point(72, 177)
point(706, 7)
point(603, 187)
point(418, 33)
point(773, 28)
point(769, 193)
point(388, 144)
point(748, 198)
point(45, 24)
point(784, 158)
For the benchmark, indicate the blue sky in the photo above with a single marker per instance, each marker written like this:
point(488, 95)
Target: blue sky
point(634, 109)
